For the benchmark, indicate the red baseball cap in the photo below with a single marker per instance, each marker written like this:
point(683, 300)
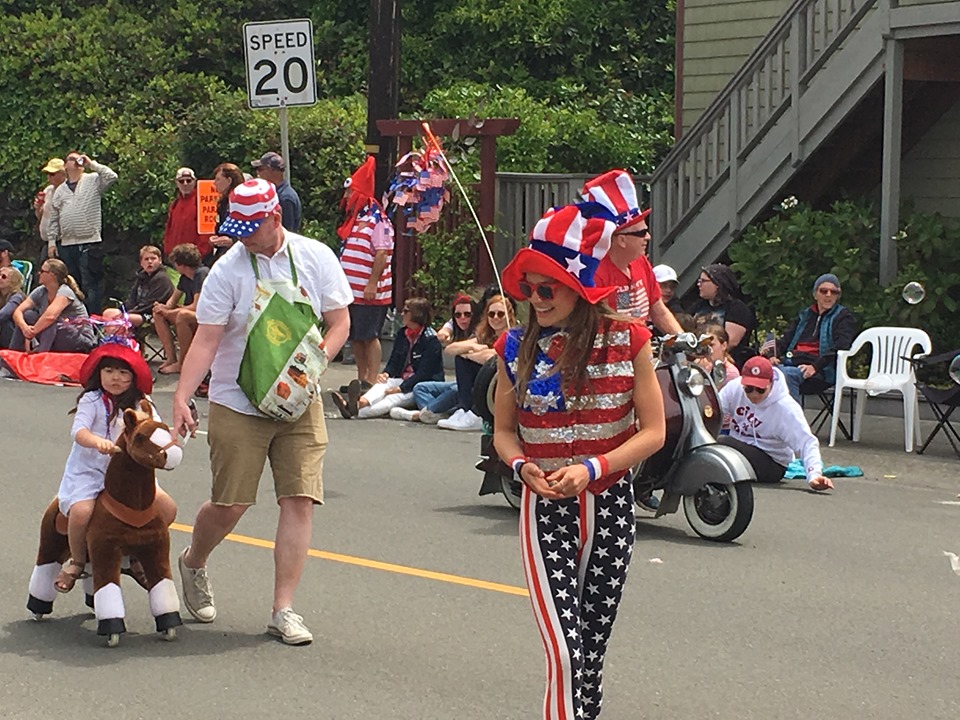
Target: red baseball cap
point(757, 372)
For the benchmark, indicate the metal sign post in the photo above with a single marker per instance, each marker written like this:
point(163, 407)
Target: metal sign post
point(281, 70)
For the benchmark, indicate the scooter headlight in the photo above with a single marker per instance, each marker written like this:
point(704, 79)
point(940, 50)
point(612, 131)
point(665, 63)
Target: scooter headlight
point(691, 381)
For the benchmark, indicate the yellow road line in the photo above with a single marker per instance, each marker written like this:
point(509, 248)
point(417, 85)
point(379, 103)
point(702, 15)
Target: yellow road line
point(377, 565)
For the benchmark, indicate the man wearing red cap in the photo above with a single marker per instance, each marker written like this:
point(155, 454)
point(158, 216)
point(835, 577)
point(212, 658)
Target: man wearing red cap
point(367, 236)
point(301, 277)
point(767, 426)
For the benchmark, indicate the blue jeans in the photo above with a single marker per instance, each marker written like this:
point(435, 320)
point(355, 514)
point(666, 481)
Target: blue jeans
point(794, 376)
point(85, 263)
point(437, 397)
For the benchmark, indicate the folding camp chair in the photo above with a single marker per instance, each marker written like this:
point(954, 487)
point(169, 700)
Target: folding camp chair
point(942, 401)
point(26, 269)
point(814, 387)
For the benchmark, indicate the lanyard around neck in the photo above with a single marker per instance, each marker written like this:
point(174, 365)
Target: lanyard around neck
point(293, 268)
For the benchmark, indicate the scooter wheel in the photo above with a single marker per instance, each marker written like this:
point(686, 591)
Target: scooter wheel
point(720, 511)
point(512, 491)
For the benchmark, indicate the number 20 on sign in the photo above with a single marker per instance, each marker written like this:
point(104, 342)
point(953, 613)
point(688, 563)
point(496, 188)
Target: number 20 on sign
point(280, 64)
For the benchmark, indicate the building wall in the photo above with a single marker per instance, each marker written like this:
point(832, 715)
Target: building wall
point(930, 173)
point(718, 36)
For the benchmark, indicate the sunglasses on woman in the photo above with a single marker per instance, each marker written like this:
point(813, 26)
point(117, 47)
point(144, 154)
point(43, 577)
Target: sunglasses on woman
point(545, 290)
point(496, 314)
point(465, 313)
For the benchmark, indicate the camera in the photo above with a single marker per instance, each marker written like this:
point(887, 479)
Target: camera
point(80, 161)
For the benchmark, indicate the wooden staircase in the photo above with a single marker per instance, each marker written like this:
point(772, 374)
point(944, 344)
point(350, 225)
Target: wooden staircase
point(805, 112)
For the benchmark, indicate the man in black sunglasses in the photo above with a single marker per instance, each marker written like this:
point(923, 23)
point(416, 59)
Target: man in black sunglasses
point(767, 426)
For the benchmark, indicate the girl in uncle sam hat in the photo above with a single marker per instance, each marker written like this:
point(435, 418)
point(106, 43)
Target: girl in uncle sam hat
point(115, 378)
point(577, 405)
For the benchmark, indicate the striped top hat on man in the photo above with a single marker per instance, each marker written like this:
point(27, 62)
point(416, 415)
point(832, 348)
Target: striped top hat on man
point(616, 191)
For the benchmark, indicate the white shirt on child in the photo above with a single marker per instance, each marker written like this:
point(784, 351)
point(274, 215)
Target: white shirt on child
point(86, 467)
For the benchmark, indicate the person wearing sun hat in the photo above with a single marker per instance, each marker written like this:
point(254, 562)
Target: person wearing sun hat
point(577, 405)
point(626, 265)
point(287, 269)
point(54, 170)
point(768, 427)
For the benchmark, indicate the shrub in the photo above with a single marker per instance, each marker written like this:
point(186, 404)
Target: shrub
point(778, 260)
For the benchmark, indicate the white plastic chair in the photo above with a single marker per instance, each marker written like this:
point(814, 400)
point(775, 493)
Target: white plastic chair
point(888, 371)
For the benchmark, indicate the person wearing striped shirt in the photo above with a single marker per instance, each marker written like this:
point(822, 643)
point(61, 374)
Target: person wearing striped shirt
point(76, 223)
point(367, 235)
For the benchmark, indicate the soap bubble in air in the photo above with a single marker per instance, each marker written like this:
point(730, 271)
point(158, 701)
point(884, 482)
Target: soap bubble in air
point(955, 370)
point(913, 292)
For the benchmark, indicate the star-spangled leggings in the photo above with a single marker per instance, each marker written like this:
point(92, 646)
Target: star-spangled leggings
point(576, 553)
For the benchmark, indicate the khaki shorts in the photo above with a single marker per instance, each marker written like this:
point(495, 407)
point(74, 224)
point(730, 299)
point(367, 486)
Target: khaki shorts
point(240, 445)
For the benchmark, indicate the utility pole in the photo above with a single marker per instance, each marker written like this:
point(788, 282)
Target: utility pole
point(383, 83)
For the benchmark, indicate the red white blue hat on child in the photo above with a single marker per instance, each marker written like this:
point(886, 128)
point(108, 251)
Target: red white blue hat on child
point(567, 244)
point(250, 204)
point(142, 377)
point(617, 192)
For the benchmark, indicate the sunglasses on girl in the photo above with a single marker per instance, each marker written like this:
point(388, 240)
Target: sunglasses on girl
point(750, 390)
point(465, 313)
point(545, 290)
point(496, 314)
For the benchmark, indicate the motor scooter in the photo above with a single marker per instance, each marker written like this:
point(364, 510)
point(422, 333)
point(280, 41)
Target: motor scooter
point(712, 481)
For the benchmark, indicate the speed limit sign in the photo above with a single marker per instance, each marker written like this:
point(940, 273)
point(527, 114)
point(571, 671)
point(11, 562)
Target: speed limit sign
point(280, 65)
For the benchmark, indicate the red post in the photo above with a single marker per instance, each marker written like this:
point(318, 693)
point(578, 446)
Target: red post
point(487, 210)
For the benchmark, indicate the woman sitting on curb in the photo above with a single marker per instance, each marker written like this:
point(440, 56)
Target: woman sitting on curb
point(767, 426)
point(469, 357)
point(436, 399)
point(52, 317)
point(416, 357)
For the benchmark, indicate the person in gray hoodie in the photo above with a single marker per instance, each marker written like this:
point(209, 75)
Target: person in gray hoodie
point(767, 425)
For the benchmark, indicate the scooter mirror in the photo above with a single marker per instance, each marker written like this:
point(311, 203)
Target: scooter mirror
point(718, 372)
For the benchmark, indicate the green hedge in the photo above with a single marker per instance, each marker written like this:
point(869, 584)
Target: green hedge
point(778, 260)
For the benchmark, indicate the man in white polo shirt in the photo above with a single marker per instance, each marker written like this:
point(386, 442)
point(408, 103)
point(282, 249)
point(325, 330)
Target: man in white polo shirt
point(241, 439)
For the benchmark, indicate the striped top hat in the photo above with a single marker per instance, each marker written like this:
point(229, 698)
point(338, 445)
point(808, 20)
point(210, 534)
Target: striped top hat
point(250, 204)
point(567, 245)
point(616, 191)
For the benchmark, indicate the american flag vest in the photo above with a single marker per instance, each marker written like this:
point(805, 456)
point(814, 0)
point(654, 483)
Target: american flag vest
point(357, 257)
point(556, 430)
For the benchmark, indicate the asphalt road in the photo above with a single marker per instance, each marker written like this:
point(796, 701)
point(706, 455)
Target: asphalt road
point(837, 606)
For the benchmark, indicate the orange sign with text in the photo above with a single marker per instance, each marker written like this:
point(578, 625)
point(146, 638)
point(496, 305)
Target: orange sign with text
point(207, 199)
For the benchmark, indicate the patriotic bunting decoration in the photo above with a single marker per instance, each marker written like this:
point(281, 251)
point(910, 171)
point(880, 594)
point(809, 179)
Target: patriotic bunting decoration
point(417, 189)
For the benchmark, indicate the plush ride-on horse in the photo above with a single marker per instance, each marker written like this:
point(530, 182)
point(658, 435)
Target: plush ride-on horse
point(124, 522)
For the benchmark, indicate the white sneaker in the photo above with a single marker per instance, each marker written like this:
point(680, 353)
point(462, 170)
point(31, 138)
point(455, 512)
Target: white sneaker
point(447, 423)
point(431, 418)
point(289, 627)
point(197, 593)
point(399, 413)
point(468, 421)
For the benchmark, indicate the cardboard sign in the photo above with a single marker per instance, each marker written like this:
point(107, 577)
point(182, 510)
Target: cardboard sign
point(207, 199)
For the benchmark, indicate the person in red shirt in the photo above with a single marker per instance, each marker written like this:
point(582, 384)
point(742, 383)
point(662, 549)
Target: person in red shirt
point(182, 217)
point(626, 266)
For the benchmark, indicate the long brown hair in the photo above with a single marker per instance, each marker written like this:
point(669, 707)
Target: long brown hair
point(486, 334)
point(63, 276)
point(232, 173)
point(582, 326)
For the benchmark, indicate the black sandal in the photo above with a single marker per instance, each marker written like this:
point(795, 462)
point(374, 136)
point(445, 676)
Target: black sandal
point(341, 404)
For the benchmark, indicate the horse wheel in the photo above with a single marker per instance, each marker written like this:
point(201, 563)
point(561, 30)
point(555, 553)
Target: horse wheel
point(113, 640)
point(38, 616)
point(169, 634)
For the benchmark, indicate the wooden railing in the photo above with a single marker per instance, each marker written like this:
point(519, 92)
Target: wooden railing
point(769, 85)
